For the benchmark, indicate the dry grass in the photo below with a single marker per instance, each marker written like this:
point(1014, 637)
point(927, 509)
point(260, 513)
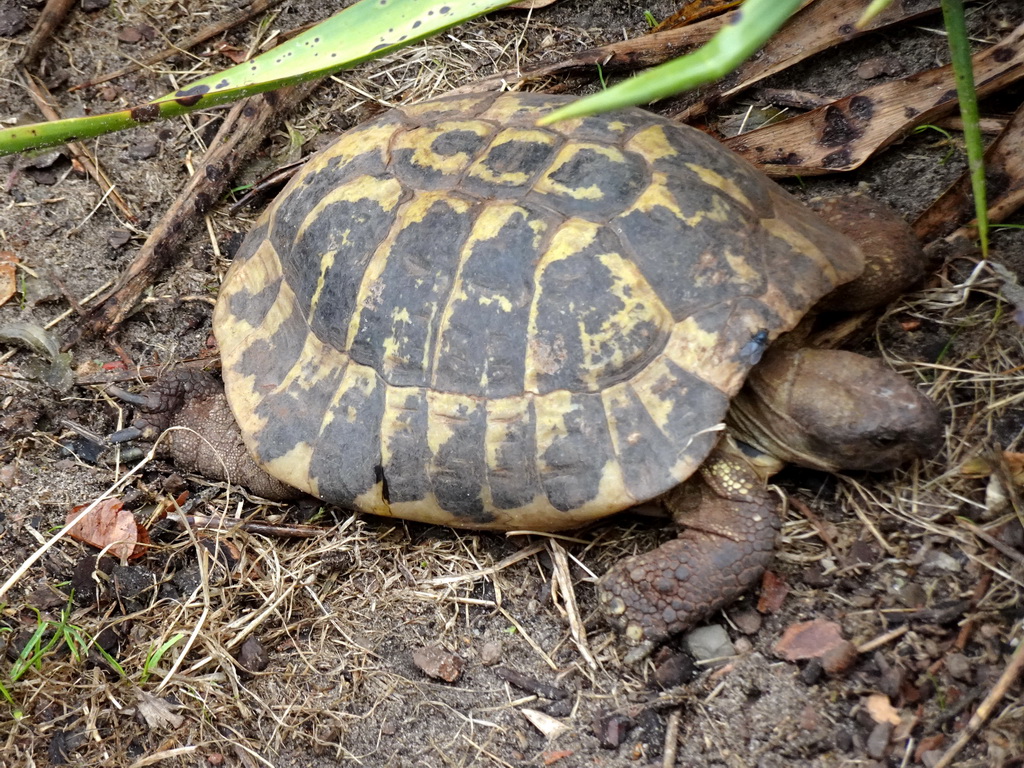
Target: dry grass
point(328, 609)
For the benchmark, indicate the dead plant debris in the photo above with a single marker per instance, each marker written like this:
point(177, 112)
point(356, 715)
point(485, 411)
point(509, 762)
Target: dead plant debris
point(239, 639)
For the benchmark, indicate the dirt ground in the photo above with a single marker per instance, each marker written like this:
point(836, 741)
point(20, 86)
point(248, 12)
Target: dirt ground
point(282, 651)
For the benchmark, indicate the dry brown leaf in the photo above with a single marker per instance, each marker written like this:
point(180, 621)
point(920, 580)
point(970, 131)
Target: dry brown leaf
point(773, 593)
point(110, 526)
point(982, 466)
point(157, 712)
point(695, 10)
point(8, 276)
point(1004, 165)
point(881, 710)
point(815, 28)
point(842, 135)
point(809, 640)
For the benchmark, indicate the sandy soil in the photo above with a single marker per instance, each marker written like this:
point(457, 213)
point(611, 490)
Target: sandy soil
point(300, 652)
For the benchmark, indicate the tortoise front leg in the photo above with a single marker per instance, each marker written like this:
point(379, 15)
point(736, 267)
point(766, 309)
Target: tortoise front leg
point(729, 521)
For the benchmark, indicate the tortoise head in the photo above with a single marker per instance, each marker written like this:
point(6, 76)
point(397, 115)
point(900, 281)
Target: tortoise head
point(835, 410)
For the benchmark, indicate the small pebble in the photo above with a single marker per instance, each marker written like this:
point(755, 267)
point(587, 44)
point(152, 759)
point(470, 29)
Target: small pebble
point(675, 669)
point(143, 149)
point(960, 667)
point(743, 645)
point(94, 5)
point(811, 673)
point(118, 238)
point(839, 659)
point(878, 66)
point(912, 596)
point(253, 657)
point(747, 621)
point(710, 642)
point(844, 740)
point(12, 21)
point(438, 663)
point(810, 719)
point(936, 562)
point(878, 741)
point(490, 653)
point(612, 730)
point(891, 682)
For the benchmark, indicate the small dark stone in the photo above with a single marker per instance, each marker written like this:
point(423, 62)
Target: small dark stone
point(12, 20)
point(748, 621)
point(675, 669)
point(912, 596)
point(129, 35)
point(490, 653)
point(560, 708)
point(109, 638)
point(187, 580)
point(252, 657)
point(878, 66)
point(175, 484)
point(144, 149)
point(878, 741)
point(83, 449)
point(861, 553)
point(94, 5)
point(891, 682)
point(118, 238)
point(134, 586)
point(612, 729)
point(815, 577)
point(959, 666)
point(44, 177)
point(87, 587)
point(62, 745)
point(844, 740)
point(811, 673)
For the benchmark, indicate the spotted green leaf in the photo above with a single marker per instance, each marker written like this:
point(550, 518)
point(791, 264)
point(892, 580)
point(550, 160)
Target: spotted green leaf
point(366, 30)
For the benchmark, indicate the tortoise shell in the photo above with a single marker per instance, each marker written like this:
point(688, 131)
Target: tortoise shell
point(453, 315)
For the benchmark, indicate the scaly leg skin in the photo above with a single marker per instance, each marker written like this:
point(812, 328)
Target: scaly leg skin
point(729, 524)
point(211, 445)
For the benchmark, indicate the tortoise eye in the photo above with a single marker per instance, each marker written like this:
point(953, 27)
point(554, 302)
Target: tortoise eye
point(885, 440)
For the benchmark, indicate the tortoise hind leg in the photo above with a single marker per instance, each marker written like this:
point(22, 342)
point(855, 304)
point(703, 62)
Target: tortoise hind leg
point(729, 521)
point(208, 441)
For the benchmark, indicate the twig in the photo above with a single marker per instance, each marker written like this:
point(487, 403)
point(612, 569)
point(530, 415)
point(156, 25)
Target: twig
point(243, 130)
point(884, 639)
point(991, 540)
point(563, 579)
point(219, 523)
point(818, 523)
point(984, 710)
point(257, 7)
point(42, 97)
point(844, 134)
point(964, 635)
point(624, 55)
point(671, 749)
point(51, 17)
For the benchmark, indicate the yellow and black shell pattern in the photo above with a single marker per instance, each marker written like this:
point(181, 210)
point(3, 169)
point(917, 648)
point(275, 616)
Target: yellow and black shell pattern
point(455, 316)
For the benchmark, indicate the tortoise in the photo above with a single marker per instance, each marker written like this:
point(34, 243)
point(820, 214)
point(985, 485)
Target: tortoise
point(455, 316)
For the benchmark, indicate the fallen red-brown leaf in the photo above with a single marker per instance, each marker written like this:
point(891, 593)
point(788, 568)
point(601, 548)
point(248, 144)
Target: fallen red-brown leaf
point(111, 527)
